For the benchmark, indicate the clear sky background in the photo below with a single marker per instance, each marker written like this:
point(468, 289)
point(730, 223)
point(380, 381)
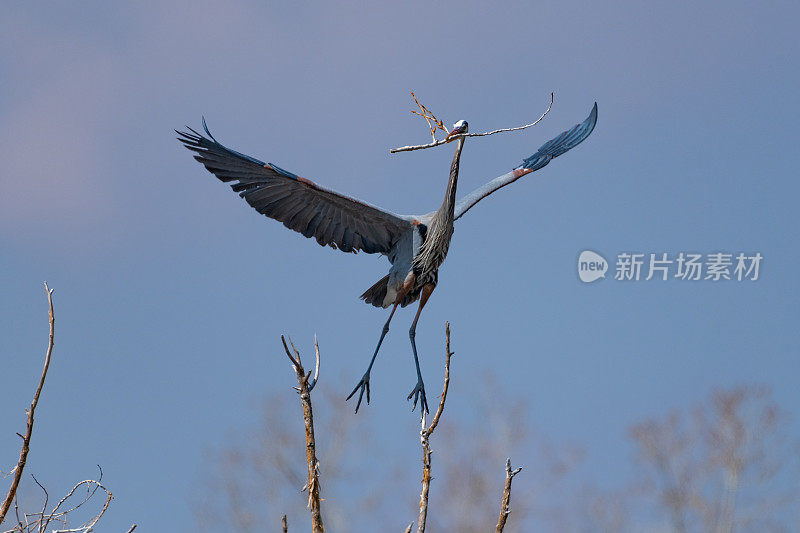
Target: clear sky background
point(171, 293)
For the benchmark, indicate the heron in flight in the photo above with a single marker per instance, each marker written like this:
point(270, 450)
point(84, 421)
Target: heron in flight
point(415, 245)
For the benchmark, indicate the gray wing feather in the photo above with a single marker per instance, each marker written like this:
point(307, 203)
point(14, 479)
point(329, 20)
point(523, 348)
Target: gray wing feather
point(303, 206)
point(546, 153)
point(560, 144)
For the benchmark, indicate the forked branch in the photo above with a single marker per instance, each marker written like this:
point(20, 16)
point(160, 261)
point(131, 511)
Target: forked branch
point(26, 440)
point(505, 501)
point(433, 123)
point(448, 139)
point(425, 434)
point(304, 390)
point(39, 522)
point(55, 514)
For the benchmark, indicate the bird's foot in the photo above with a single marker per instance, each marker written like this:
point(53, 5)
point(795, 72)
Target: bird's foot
point(361, 387)
point(419, 393)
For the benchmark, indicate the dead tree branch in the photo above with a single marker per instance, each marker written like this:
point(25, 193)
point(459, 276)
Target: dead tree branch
point(38, 522)
point(446, 140)
point(425, 434)
point(505, 501)
point(20, 526)
point(304, 390)
point(429, 116)
point(26, 440)
point(46, 499)
point(89, 495)
point(89, 526)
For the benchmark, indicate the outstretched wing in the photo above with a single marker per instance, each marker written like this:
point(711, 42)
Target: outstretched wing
point(302, 205)
point(547, 152)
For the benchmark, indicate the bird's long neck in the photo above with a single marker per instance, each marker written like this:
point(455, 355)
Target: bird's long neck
point(448, 205)
point(440, 230)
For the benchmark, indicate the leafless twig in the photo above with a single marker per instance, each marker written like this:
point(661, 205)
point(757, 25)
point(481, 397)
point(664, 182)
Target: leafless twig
point(316, 365)
point(132, 528)
point(506, 500)
point(20, 525)
point(89, 494)
point(304, 390)
point(429, 116)
point(26, 440)
point(284, 524)
point(454, 137)
point(425, 434)
point(55, 515)
point(46, 498)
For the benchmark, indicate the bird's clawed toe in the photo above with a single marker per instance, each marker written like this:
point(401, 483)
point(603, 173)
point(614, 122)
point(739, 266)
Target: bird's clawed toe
point(419, 394)
point(361, 386)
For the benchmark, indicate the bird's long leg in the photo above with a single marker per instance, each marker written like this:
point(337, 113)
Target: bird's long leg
point(419, 389)
point(363, 384)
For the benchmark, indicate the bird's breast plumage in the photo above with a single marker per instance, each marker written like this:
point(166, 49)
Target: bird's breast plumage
point(432, 252)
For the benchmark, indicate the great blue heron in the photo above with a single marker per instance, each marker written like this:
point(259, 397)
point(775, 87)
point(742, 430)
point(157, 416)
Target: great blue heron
point(415, 245)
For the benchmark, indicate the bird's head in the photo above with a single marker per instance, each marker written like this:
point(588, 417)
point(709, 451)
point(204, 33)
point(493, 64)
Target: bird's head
point(458, 128)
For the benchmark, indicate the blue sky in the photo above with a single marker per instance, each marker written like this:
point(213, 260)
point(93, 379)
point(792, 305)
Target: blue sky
point(171, 293)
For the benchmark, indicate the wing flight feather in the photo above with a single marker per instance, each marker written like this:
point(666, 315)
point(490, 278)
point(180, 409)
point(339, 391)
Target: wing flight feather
point(333, 219)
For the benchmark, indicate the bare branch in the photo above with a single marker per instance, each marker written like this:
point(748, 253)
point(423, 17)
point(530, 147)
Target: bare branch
point(89, 493)
point(424, 437)
point(316, 365)
point(295, 362)
point(454, 137)
point(284, 524)
point(26, 441)
point(502, 130)
point(304, 390)
point(424, 115)
point(16, 512)
point(448, 355)
point(408, 529)
point(429, 116)
point(46, 498)
point(90, 525)
point(506, 499)
point(132, 528)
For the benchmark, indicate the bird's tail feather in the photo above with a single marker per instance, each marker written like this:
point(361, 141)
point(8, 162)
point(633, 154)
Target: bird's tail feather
point(376, 294)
